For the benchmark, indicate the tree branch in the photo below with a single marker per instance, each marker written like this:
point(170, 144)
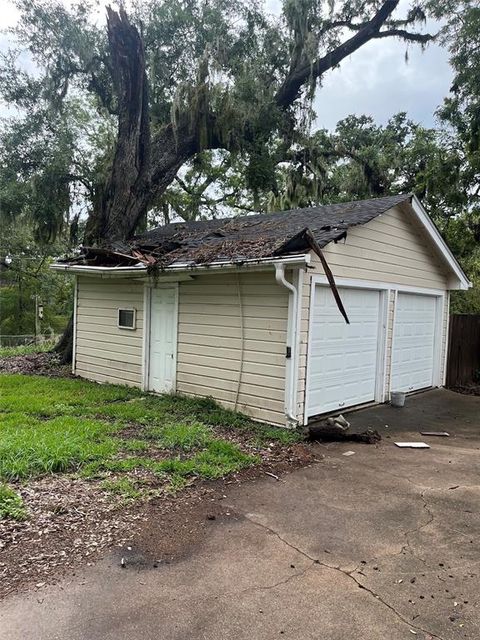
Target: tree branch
point(405, 35)
point(72, 177)
point(297, 77)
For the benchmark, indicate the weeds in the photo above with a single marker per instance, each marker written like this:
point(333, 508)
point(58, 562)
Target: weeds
point(181, 435)
point(123, 487)
point(27, 349)
point(11, 504)
point(32, 447)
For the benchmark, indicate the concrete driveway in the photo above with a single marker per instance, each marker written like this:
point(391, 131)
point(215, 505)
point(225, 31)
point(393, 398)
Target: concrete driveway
point(380, 544)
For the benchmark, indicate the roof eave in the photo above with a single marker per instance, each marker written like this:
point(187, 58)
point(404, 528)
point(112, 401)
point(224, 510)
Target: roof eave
point(141, 270)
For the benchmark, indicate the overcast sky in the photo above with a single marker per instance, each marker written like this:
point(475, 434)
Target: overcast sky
point(374, 81)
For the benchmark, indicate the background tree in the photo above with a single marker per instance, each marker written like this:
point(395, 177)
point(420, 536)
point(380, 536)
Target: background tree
point(24, 275)
point(119, 122)
point(199, 76)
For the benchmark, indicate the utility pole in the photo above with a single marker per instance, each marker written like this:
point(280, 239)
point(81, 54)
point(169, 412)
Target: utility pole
point(37, 319)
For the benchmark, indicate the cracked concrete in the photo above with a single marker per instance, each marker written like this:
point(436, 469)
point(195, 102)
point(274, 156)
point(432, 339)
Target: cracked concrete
point(380, 544)
point(351, 575)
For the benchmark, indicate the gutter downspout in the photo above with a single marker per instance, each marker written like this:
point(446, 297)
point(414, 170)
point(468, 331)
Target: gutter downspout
point(291, 346)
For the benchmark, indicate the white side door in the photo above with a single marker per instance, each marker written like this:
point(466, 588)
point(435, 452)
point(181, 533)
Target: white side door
point(343, 357)
point(413, 352)
point(163, 340)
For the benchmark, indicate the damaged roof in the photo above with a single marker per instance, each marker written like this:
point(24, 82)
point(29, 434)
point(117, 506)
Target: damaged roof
point(242, 238)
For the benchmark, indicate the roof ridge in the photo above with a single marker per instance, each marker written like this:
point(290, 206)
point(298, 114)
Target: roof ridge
point(353, 204)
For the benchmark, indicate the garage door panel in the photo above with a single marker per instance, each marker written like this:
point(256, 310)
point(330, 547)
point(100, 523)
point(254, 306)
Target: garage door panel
point(413, 342)
point(343, 358)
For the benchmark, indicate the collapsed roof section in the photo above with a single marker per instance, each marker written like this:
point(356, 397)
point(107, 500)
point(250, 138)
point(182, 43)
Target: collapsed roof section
point(239, 239)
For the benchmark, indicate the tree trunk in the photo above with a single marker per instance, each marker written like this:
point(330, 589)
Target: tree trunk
point(64, 346)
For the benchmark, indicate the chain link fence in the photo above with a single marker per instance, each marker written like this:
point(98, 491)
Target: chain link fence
point(25, 339)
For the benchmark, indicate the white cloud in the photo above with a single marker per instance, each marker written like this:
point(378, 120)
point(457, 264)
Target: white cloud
point(377, 81)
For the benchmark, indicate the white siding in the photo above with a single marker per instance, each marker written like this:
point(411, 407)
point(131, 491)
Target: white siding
point(392, 249)
point(104, 352)
point(212, 309)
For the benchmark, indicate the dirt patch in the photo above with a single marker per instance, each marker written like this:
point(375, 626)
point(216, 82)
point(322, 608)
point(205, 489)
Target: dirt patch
point(42, 364)
point(74, 523)
point(70, 522)
point(173, 527)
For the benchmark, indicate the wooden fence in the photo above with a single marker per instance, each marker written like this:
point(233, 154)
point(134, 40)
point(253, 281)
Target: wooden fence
point(463, 365)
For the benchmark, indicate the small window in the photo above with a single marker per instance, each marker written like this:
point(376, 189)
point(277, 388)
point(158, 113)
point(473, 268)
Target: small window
point(126, 318)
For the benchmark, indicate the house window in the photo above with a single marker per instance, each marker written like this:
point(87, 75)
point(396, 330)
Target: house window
point(127, 318)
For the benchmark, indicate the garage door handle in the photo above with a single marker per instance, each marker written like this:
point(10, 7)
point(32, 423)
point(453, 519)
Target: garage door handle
point(340, 404)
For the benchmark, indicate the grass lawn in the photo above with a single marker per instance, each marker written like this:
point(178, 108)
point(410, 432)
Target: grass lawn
point(130, 442)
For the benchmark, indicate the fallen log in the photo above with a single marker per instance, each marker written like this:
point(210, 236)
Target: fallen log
point(334, 431)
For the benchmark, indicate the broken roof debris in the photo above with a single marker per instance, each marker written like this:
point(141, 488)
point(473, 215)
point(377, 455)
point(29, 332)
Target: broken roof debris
point(241, 238)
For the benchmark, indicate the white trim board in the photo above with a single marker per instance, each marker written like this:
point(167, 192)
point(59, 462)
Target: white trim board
point(447, 336)
point(296, 367)
point(382, 346)
point(146, 336)
point(372, 284)
point(438, 341)
point(184, 269)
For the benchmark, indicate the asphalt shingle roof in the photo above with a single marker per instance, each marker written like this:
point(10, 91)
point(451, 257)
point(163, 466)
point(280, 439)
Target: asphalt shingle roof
point(258, 235)
point(241, 238)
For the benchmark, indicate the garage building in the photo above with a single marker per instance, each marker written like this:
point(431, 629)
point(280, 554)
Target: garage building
point(253, 310)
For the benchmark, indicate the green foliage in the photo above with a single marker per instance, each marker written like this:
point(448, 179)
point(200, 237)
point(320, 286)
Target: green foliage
point(55, 397)
point(11, 504)
point(219, 459)
point(183, 436)
point(214, 68)
point(68, 425)
point(32, 447)
point(25, 273)
point(214, 71)
point(216, 459)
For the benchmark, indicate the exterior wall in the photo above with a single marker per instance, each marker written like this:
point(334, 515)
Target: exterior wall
point(391, 249)
point(214, 310)
point(104, 352)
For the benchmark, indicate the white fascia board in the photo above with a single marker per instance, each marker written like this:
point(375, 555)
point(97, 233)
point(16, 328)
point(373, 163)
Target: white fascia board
point(140, 270)
point(298, 259)
point(462, 281)
point(108, 272)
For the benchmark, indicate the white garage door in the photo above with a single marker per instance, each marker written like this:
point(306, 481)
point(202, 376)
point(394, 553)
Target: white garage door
point(413, 342)
point(343, 358)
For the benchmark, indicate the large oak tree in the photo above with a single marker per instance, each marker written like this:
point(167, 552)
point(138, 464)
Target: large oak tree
point(123, 108)
point(109, 114)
